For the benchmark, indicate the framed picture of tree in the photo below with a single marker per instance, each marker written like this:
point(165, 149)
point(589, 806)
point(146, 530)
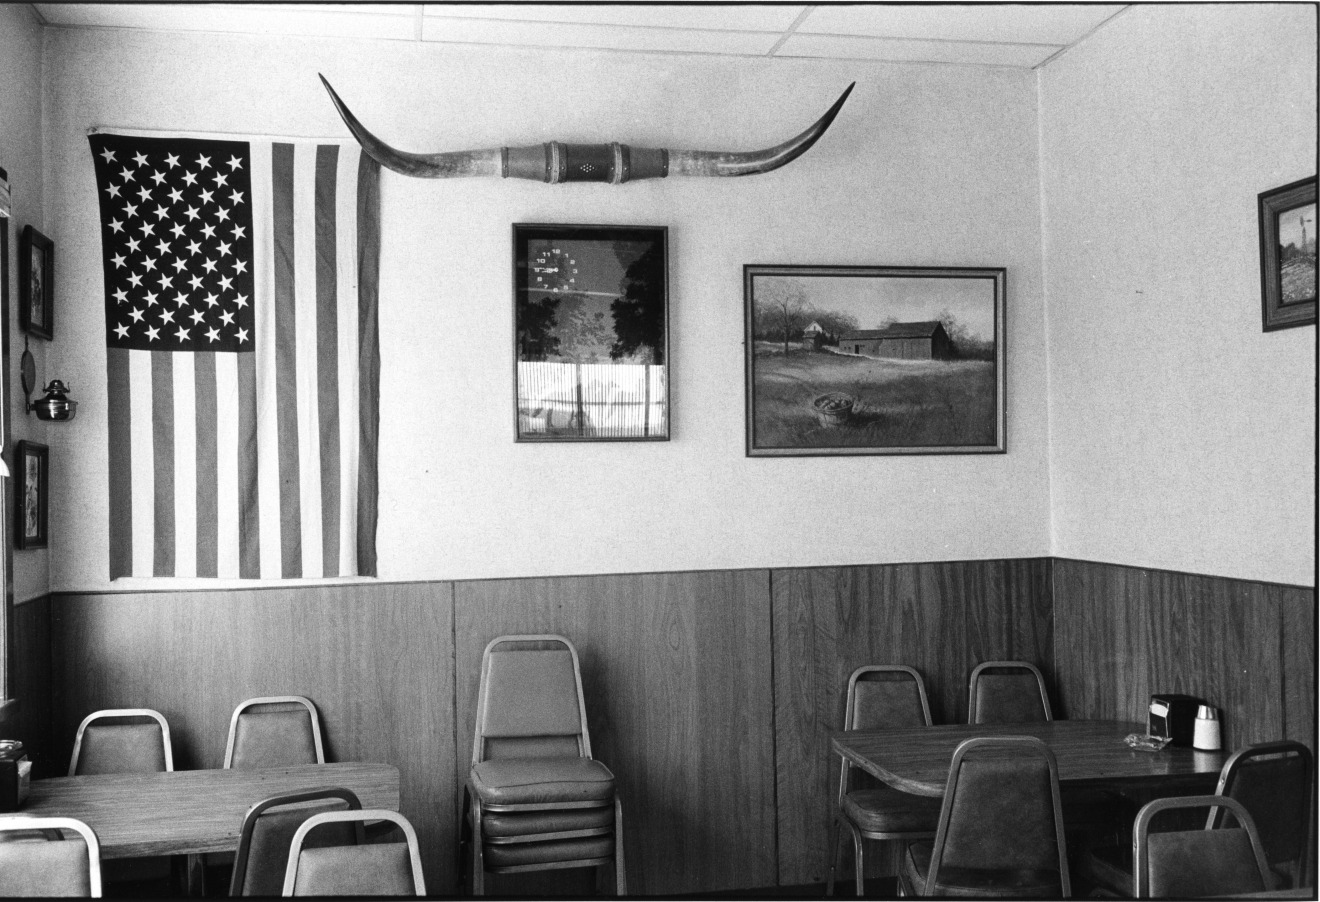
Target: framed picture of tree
point(874, 360)
point(591, 333)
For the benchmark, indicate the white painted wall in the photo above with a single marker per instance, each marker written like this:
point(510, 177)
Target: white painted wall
point(20, 153)
point(926, 165)
point(1181, 436)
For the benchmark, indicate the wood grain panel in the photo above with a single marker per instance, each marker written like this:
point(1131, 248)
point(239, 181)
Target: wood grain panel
point(375, 659)
point(940, 618)
point(676, 671)
point(29, 674)
point(1248, 648)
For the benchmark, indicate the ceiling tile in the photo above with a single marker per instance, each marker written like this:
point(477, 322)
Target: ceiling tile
point(723, 18)
point(1033, 24)
point(961, 52)
point(604, 37)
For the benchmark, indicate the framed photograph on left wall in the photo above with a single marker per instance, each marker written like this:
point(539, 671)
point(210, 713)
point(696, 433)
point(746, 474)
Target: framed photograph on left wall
point(36, 282)
point(31, 494)
point(591, 333)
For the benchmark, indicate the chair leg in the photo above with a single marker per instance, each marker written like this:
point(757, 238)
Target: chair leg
point(834, 856)
point(620, 873)
point(478, 860)
point(859, 864)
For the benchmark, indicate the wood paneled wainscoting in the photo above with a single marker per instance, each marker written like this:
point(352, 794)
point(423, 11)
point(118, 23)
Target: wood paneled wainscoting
point(709, 694)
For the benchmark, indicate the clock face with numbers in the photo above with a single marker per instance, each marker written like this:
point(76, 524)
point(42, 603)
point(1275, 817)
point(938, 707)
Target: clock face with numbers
point(553, 270)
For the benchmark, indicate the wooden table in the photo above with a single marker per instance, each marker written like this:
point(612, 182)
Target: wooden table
point(190, 812)
point(917, 759)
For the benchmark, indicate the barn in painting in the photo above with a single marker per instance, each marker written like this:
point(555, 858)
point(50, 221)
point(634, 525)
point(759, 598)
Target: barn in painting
point(902, 341)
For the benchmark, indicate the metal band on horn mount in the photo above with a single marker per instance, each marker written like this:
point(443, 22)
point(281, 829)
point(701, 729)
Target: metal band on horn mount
point(554, 162)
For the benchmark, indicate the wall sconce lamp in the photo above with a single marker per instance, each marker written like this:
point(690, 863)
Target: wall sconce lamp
point(56, 405)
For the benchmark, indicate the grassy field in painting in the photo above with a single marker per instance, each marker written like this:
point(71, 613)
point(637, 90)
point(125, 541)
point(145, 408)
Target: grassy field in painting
point(897, 403)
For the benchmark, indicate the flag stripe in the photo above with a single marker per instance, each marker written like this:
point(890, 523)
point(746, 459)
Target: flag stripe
point(227, 453)
point(327, 354)
point(306, 325)
point(185, 463)
point(286, 354)
point(266, 458)
point(368, 194)
point(347, 317)
point(142, 461)
point(119, 415)
point(250, 487)
point(162, 434)
point(207, 488)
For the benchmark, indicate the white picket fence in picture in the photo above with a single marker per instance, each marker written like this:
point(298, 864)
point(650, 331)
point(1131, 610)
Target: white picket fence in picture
point(592, 400)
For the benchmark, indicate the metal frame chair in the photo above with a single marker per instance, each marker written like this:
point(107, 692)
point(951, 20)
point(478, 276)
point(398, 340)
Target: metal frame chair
point(272, 701)
point(88, 835)
point(554, 735)
point(1285, 833)
point(357, 817)
point(1208, 848)
point(251, 822)
point(974, 684)
point(953, 807)
point(120, 714)
point(882, 801)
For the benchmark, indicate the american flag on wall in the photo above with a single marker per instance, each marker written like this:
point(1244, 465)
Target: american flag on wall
point(242, 356)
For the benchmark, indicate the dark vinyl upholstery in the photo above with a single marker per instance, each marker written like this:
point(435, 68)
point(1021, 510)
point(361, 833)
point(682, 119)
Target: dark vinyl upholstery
point(1197, 863)
point(121, 748)
point(1273, 782)
point(383, 869)
point(1007, 692)
point(268, 829)
point(273, 738)
point(1000, 831)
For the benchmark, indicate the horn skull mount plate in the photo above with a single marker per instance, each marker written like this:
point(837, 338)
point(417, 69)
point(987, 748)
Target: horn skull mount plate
point(554, 162)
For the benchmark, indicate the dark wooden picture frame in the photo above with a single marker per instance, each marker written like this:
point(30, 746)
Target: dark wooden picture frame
point(31, 495)
point(591, 333)
point(36, 281)
point(1288, 255)
point(874, 360)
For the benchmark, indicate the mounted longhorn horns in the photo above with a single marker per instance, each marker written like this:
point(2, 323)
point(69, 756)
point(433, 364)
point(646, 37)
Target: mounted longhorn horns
point(554, 162)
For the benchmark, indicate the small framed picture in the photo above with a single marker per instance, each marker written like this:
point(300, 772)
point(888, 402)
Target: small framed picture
point(874, 360)
point(32, 495)
point(36, 280)
point(1287, 255)
point(591, 333)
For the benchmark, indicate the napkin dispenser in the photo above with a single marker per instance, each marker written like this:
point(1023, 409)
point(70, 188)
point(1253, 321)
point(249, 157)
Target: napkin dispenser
point(1173, 717)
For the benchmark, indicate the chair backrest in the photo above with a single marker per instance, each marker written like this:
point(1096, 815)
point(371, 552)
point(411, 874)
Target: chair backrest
point(379, 869)
point(1007, 692)
point(34, 866)
point(530, 700)
point(122, 741)
point(1273, 782)
point(1002, 812)
point(882, 696)
point(262, 856)
point(274, 731)
point(1189, 864)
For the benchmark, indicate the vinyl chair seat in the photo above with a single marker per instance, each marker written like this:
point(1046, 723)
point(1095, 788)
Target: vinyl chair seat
point(541, 781)
point(507, 827)
point(888, 810)
point(978, 882)
point(552, 852)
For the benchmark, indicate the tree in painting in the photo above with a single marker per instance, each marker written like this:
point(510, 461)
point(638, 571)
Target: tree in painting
point(639, 314)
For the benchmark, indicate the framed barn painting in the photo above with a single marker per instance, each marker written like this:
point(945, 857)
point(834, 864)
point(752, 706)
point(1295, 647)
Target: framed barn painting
point(874, 360)
point(32, 494)
point(591, 333)
point(36, 280)
point(1287, 255)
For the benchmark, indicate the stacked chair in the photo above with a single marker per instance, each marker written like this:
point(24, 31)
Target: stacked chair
point(1000, 832)
point(31, 865)
point(880, 696)
point(535, 799)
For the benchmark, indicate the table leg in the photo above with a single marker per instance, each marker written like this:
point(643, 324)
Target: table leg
point(196, 876)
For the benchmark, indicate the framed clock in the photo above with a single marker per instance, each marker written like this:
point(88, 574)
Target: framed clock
point(591, 333)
